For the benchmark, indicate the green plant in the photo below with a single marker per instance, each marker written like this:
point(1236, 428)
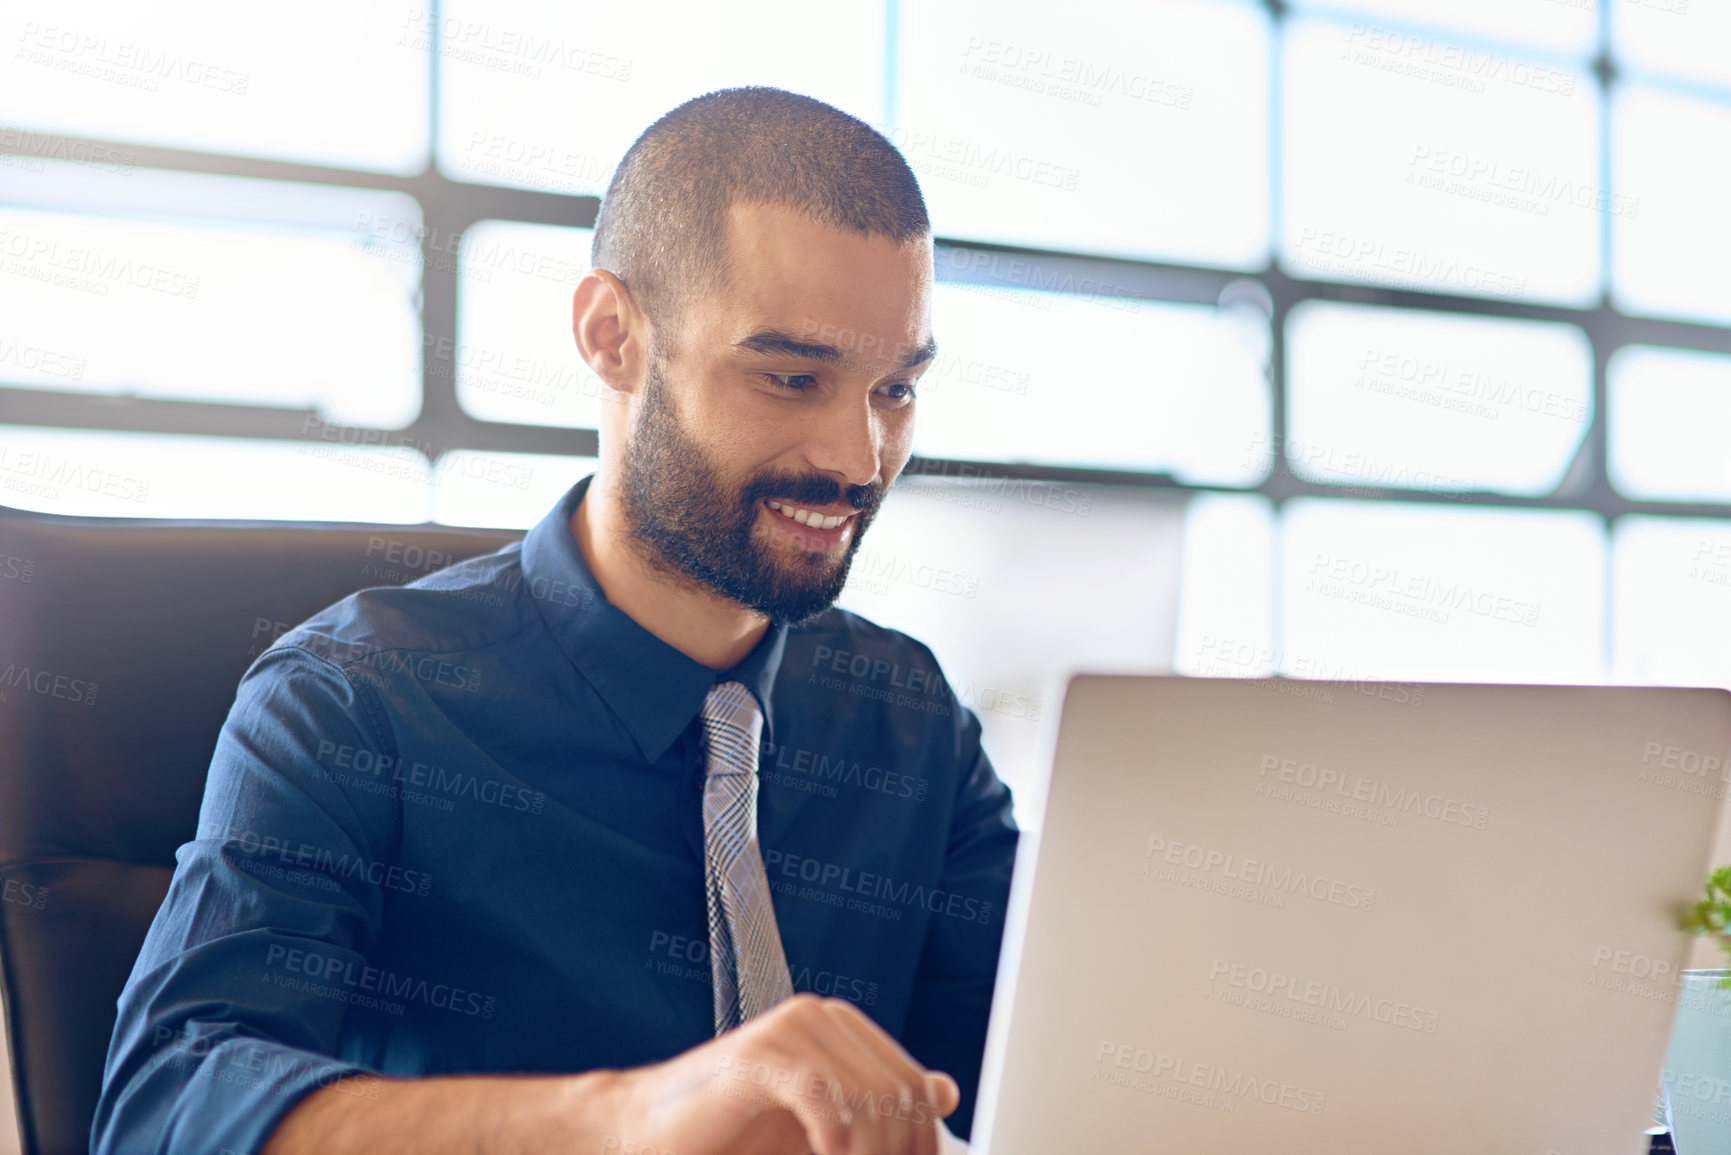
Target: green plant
point(1712, 915)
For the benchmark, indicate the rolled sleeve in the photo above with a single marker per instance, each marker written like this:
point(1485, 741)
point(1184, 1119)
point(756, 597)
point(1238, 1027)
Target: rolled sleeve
point(952, 996)
point(227, 1019)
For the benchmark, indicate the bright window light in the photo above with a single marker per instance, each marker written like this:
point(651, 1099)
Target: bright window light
point(515, 357)
point(1671, 161)
point(1226, 623)
point(1446, 402)
point(1105, 381)
point(502, 490)
point(331, 82)
point(1670, 410)
point(1125, 128)
point(1415, 162)
point(1390, 590)
point(548, 95)
point(1671, 613)
point(103, 474)
point(1677, 38)
point(309, 303)
point(1562, 26)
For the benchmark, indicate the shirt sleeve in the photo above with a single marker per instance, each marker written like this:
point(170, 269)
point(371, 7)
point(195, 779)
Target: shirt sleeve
point(952, 995)
point(224, 1024)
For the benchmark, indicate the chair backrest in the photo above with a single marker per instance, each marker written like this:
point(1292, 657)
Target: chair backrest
point(121, 642)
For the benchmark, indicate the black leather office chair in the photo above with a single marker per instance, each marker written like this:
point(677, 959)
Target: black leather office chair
point(121, 642)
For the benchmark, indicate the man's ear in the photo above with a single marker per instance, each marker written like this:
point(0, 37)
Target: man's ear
point(611, 332)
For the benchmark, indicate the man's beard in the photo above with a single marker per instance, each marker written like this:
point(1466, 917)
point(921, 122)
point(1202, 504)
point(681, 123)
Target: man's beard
point(690, 525)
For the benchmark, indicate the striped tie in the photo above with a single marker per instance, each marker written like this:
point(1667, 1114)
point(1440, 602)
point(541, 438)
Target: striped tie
point(744, 946)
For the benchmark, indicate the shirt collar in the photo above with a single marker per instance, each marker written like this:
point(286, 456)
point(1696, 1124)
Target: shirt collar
point(654, 689)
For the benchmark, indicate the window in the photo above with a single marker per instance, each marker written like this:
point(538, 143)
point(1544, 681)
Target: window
point(1226, 607)
point(311, 289)
point(1382, 590)
point(1337, 339)
point(93, 473)
point(1105, 381)
point(1444, 402)
point(515, 358)
point(1666, 260)
point(1669, 413)
point(1562, 26)
point(211, 76)
point(1090, 133)
point(1417, 162)
point(1673, 38)
point(1672, 580)
point(501, 490)
point(549, 96)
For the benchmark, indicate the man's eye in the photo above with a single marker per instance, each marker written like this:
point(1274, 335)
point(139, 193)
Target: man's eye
point(901, 391)
point(793, 382)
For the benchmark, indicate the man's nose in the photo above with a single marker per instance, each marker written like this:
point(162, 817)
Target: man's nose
point(846, 442)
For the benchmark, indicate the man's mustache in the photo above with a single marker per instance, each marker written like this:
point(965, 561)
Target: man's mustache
point(811, 489)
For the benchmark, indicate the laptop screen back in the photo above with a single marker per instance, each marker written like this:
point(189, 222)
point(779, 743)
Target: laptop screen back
point(1279, 917)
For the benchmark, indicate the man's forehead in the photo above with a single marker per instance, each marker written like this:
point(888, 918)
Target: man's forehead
point(774, 246)
point(798, 288)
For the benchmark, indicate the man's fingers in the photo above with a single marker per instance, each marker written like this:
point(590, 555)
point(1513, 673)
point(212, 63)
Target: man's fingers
point(846, 1067)
point(879, 1043)
point(901, 1098)
point(842, 1080)
point(943, 1091)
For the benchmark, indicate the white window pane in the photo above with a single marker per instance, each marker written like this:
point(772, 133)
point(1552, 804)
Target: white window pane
point(1107, 382)
point(1684, 38)
point(1415, 162)
point(1441, 594)
point(313, 307)
point(1226, 599)
point(502, 490)
point(1416, 399)
point(514, 356)
point(1125, 128)
point(1671, 586)
point(333, 82)
point(958, 565)
point(104, 474)
point(1568, 26)
point(1670, 410)
point(1671, 158)
point(549, 95)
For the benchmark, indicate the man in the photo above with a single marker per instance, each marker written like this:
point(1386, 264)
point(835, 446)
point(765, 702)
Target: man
point(477, 868)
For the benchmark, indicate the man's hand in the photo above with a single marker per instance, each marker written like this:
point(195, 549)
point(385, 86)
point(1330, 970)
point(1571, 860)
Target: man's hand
point(810, 1075)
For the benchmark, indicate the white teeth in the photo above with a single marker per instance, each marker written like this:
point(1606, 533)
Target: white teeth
point(808, 518)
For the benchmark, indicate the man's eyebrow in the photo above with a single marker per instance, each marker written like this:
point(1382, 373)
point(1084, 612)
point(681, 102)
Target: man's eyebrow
point(921, 355)
point(775, 343)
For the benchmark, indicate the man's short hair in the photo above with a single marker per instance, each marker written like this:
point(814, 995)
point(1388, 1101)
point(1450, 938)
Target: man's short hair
point(662, 227)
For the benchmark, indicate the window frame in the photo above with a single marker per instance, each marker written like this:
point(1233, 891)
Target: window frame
point(450, 207)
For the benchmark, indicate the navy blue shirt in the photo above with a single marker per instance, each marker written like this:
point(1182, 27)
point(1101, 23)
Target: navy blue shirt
point(456, 827)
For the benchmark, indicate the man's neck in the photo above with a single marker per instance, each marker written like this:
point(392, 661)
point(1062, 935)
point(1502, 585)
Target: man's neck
point(699, 623)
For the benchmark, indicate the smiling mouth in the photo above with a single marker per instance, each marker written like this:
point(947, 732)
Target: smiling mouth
point(810, 529)
point(809, 518)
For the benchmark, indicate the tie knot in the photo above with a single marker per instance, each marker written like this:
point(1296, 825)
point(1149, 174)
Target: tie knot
point(732, 725)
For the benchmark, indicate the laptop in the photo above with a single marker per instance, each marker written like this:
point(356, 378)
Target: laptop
point(1290, 918)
